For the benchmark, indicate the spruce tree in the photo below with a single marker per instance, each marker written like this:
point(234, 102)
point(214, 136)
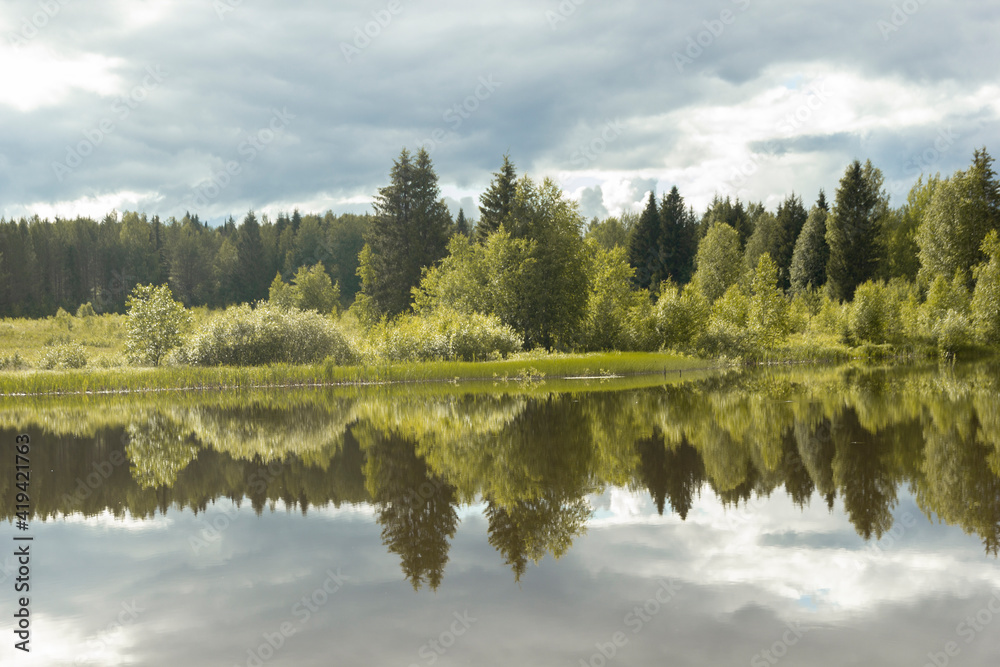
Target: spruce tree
point(462, 224)
point(854, 230)
point(644, 246)
point(678, 240)
point(811, 253)
point(409, 231)
point(790, 218)
point(821, 201)
point(732, 213)
point(498, 201)
point(252, 281)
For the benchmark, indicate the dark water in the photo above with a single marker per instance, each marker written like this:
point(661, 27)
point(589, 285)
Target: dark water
point(798, 517)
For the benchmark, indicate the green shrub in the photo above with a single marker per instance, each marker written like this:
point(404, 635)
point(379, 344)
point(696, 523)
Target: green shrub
point(64, 356)
point(953, 332)
point(832, 319)
point(443, 334)
point(681, 316)
point(12, 362)
point(85, 310)
point(727, 327)
point(985, 304)
point(311, 289)
point(874, 314)
point(767, 309)
point(154, 325)
point(639, 331)
point(64, 319)
point(245, 336)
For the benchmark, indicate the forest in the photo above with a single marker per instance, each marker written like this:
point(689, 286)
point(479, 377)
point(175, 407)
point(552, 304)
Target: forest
point(408, 281)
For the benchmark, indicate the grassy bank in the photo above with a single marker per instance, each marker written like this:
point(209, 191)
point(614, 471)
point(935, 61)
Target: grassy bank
point(526, 368)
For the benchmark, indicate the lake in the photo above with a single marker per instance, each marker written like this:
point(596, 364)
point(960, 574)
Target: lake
point(794, 516)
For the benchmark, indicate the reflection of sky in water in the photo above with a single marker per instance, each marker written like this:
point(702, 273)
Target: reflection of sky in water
point(745, 576)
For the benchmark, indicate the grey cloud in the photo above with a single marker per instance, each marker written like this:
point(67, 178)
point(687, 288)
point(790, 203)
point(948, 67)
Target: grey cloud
point(558, 87)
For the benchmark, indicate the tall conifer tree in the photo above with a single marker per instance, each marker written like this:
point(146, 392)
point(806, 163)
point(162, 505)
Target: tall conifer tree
point(409, 231)
point(644, 246)
point(854, 230)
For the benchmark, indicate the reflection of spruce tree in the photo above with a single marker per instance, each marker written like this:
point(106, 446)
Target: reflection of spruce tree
point(530, 529)
point(816, 452)
point(863, 470)
point(416, 508)
point(798, 483)
point(159, 449)
point(743, 491)
point(505, 536)
point(675, 474)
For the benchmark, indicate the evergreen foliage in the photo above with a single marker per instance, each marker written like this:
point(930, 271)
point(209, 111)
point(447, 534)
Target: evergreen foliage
point(854, 230)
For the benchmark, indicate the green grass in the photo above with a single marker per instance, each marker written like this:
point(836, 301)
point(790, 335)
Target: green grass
point(523, 369)
point(102, 338)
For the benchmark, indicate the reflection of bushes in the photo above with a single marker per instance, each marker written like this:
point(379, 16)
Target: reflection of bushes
point(159, 449)
point(254, 430)
point(852, 432)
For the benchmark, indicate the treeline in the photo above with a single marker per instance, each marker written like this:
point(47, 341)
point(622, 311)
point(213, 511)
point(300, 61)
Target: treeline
point(47, 265)
point(738, 280)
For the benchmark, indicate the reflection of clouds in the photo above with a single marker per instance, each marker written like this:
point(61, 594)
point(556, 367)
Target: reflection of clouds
point(816, 557)
point(108, 521)
point(741, 583)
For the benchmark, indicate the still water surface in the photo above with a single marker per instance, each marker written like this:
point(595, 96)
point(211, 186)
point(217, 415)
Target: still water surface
point(798, 517)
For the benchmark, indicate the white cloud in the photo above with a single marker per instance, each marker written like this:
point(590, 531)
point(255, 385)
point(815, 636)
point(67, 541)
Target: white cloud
point(33, 76)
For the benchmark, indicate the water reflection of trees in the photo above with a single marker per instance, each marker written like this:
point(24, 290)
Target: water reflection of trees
point(534, 457)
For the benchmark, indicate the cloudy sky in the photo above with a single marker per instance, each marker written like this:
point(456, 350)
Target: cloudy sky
point(219, 106)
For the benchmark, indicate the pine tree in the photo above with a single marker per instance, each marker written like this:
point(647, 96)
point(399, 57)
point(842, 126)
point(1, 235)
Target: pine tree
point(644, 246)
point(678, 240)
point(821, 201)
point(462, 224)
point(409, 232)
point(251, 282)
point(790, 218)
point(498, 201)
point(854, 230)
point(811, 253)
point(732, 213)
